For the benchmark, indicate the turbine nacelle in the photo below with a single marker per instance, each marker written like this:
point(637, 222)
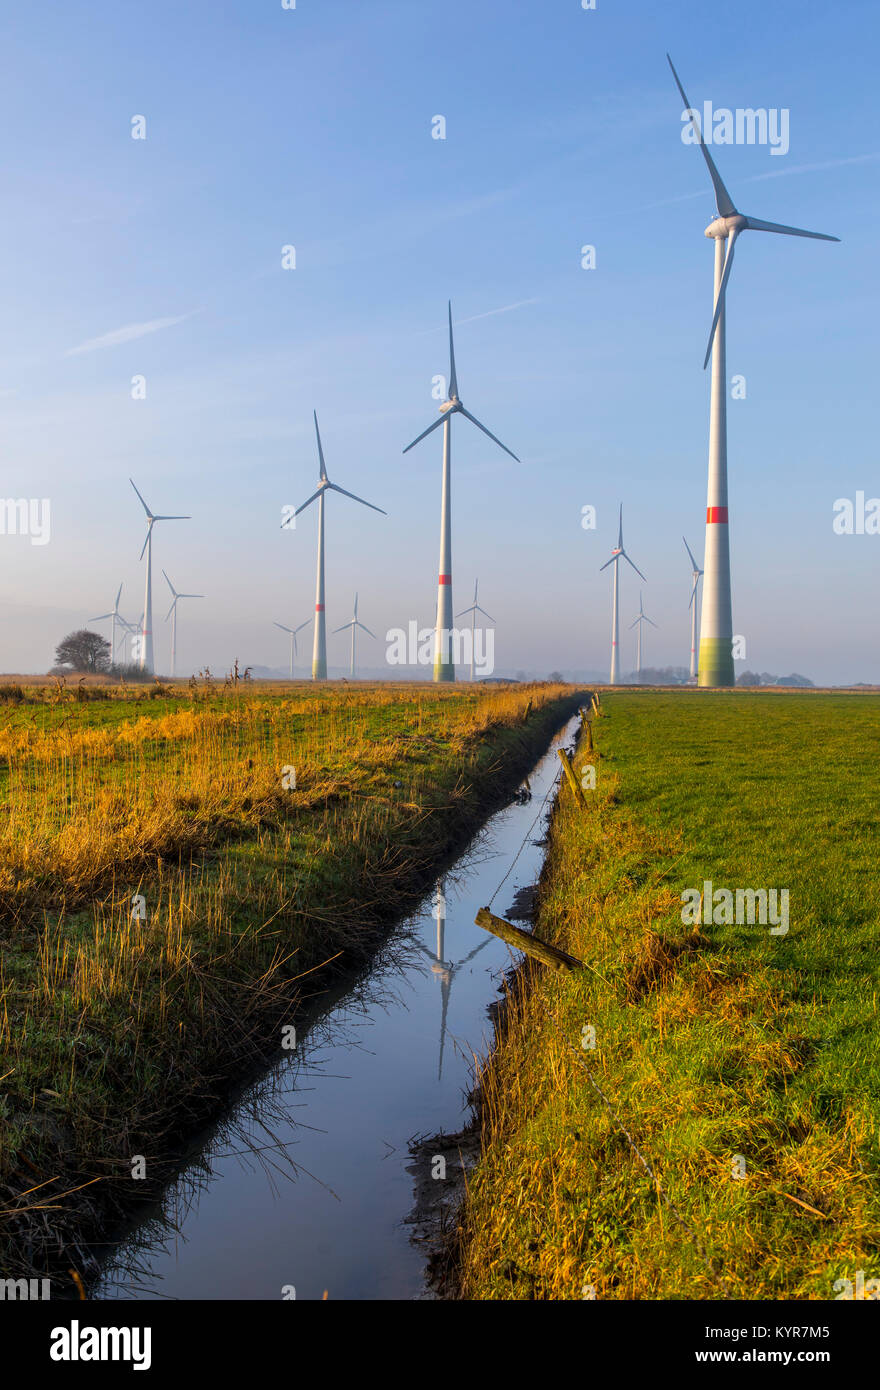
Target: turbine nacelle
point(723, 226)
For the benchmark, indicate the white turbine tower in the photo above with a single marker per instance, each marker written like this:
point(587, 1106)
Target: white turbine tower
point(115, 617)
point(354, 625)
point(616, 554)
point(146, 652)
point(172, 614)
point(693, 605)
point(319, 652)
point(444, 666)
point(642, 618)
point(716, 630)
point(293, 631)
point(474, 610)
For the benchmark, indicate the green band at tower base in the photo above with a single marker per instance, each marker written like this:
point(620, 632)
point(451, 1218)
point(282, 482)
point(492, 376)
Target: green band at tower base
point(444, 671)
point(716, 661)
point(319, 670)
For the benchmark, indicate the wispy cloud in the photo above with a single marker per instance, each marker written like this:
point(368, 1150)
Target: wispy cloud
point(128, 334)
point(811, 168)
point(505, 309)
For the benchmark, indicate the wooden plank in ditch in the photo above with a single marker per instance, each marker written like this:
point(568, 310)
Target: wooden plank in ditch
point(525, 941)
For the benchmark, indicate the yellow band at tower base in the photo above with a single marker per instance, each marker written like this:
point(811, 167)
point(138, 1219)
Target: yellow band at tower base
point(716, 662)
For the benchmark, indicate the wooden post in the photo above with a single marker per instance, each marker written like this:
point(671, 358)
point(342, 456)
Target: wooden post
point(525, 941)
point(573, 782)
point(589, 732)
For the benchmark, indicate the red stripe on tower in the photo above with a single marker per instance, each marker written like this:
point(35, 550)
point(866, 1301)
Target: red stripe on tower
point(716, 514)
point(446, 579)
point(319, 608)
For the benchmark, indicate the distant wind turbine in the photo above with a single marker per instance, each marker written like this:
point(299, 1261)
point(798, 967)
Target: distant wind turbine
point(319, 653)
point(172, 614)
point(642, 618)
point(146, 653)
point(354, 625)
point(115, 617)
point(293, 631)
point(473, 610)
point(444, 666)
point(693, 605)
point(616, 555)
point(716, 630)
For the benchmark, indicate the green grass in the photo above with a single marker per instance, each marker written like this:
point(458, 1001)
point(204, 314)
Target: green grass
point(710, 1045)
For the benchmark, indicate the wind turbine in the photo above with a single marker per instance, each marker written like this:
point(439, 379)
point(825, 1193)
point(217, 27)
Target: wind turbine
point(293, 631)
point(319, 652)
point(473, 610)
point(444, 666)
point(115, 617)
point(694, 603)
point(172, 614)
point(354, 625)
point(642, 618)
point(716, 630)
point(616, 554)
point(146, 652)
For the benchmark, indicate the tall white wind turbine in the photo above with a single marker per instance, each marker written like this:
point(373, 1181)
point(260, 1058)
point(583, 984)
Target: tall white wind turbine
point(640, 620)
point(473, 610)
point(716, 630)
point(694, 604)
point(172, 614)
point(115, 617)
point(617, 553)
point(146, 653)
point(444, 665)
point(319, 652)
point(293, 632)
point(354, 625)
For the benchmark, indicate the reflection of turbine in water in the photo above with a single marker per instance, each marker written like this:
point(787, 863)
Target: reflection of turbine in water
point(445, 970)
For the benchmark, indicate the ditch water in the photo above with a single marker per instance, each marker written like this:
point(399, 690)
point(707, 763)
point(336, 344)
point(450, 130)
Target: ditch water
point(306, 1184)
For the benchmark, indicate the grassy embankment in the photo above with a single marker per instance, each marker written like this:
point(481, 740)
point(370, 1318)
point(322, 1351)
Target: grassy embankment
point(710, 1045)
point(119, 1035)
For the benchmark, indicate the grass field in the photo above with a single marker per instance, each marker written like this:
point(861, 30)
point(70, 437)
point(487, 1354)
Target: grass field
point(272, 834)
point(742, 1065)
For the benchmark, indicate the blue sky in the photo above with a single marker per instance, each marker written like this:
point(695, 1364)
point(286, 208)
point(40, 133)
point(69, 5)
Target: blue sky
point(312, 127)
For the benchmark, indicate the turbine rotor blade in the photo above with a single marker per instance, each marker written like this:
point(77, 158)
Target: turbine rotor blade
point(690, 553)
point(320, 449)
point(147, 541)
point(635, 567)
point(285, 629)
point(366, 629)
point(723, 200)
point(313, 498)
point(170, 585)
point(453, 380)
point(101, 616)
point(424, 433)
point(474, 421)
point(722, 292)
point(172, 518)
point(170, 610)
point(484, 613)
point(301, 626)
point(755, 225)
point(118, 597)
point(610, 562)
point(354, 498)
point(143, 503)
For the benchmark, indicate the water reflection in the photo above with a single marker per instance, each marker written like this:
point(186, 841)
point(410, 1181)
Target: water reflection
point(305, 1181)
